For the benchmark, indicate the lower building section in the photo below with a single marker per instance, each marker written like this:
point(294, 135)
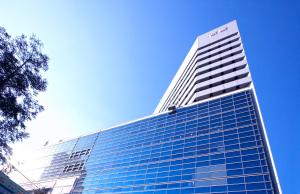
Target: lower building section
point(7, 186)
point(213, 147)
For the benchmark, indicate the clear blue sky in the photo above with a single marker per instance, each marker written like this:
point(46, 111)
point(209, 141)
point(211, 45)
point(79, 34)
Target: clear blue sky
point(111, 61)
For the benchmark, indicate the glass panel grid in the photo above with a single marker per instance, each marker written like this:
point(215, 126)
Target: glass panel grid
point(212, 147)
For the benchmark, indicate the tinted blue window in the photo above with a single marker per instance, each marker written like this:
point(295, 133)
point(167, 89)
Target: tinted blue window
point(217, 156)
point(234, 166)
point(202, 158)
point(257, 192)
point(201, 164)
point(174, 173)
point(231, 142)
point(218, 188)
point(234, 172)
point(233, 160)
point(215, 162)
point(238, 192)
point(173, 191)
point(259, 178)
point(187, 191)
point(249, 151)
point(235, 180)
point(251, 164)
point(236, 187)
point(255, 186)
point(250, 157)
point(252, 170)
point(202, 189)
point(198, 142)
point(232, 154)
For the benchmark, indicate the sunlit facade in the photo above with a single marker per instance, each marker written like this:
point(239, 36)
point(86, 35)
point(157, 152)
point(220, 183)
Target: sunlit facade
point(215, 65)
point(214, 143)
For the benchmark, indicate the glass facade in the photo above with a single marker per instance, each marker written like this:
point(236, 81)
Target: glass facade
point(212, 147)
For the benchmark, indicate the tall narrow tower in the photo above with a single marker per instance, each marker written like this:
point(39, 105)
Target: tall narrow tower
point(215, 66)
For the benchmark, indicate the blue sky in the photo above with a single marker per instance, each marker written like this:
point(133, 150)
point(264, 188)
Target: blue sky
point(111, 61)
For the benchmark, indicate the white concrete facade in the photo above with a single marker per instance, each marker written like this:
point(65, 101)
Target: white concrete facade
point(216, 64)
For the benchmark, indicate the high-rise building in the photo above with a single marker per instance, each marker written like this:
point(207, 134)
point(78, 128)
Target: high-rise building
point(215, 65)
point(206, 136)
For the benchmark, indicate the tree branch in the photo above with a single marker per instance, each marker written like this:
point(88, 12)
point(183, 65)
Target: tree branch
point(12, 74)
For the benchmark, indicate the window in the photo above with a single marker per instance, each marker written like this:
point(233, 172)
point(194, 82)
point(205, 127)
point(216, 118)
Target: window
point(80, 153)
point(73, 167)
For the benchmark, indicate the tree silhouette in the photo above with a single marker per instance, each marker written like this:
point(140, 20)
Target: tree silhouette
point(21, 65)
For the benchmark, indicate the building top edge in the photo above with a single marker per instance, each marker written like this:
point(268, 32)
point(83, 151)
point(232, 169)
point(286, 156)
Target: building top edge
point(152, 115)
point(200, 41)
point(215, 34)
